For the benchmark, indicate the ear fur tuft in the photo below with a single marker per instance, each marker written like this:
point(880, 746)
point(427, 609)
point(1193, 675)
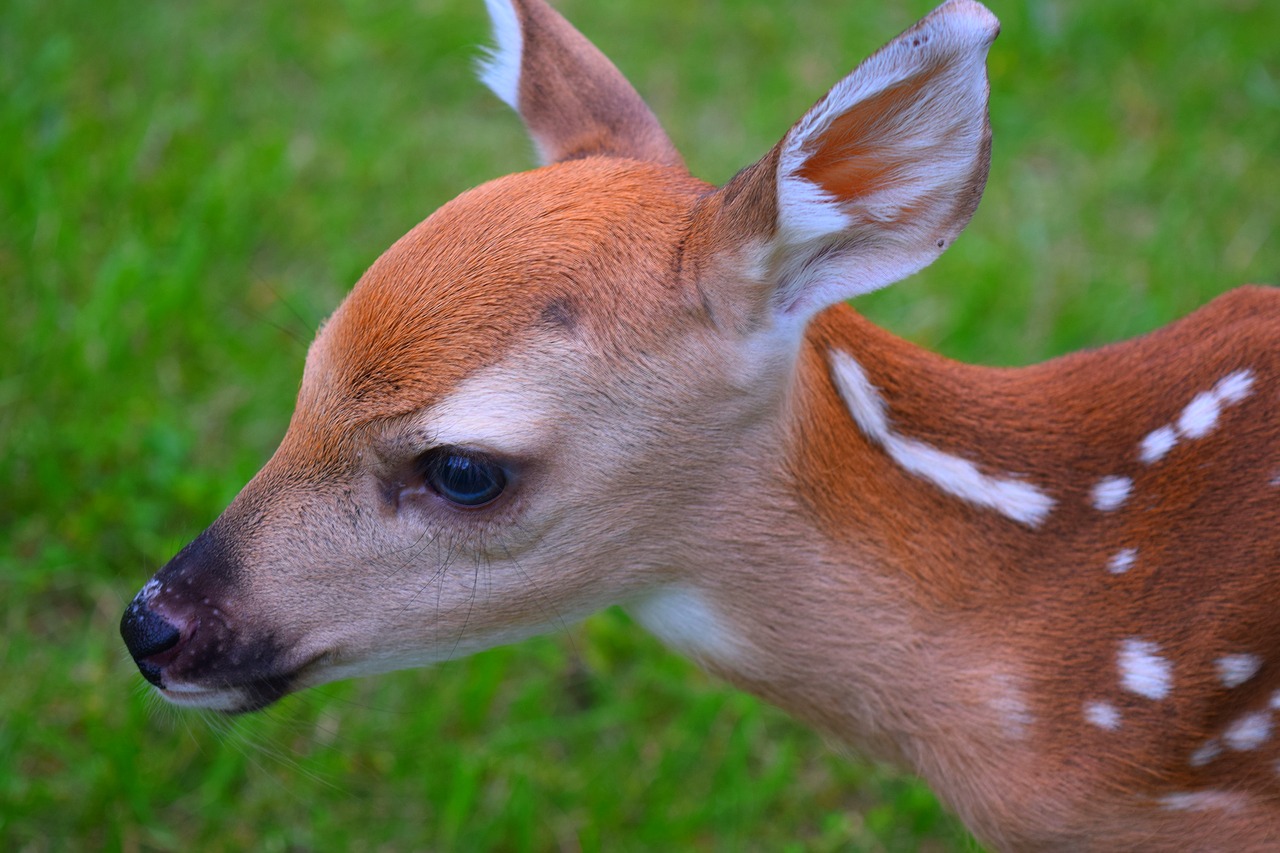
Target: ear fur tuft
point(499, 68)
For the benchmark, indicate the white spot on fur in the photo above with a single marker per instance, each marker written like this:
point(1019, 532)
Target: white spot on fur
point(1234, 387)
point(1009, 703)
point(1111, 492)
point(1199, 801)
point(1235, 670)
point(860, 396)
point(1016, 499)
point(1248, 732)
point(1122, 561)
point(1275, 701)
point(1142, 670)
point(1201, 415)
point(1157, 443)
point(500, 68)
point(1103, 715)
point(1013, 498)
point(1210, 750)
point(684, 619)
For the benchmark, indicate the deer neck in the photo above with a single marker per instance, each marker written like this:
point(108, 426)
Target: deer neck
point(850, 600)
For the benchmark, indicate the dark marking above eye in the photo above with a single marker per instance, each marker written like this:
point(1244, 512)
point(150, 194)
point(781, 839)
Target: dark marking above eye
point(560, 313)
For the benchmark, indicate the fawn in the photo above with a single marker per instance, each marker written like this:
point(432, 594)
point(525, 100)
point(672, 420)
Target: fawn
point(1050, 591)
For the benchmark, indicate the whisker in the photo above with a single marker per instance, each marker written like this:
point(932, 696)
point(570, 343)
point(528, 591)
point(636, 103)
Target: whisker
point(545, 604)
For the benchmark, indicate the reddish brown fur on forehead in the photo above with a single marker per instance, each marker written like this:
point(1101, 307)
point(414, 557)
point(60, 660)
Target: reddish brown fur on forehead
point(452, 295)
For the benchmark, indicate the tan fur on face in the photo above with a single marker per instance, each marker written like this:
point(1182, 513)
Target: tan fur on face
point(442, 333)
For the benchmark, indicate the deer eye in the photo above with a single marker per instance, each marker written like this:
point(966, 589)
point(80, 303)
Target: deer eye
point(461, 477)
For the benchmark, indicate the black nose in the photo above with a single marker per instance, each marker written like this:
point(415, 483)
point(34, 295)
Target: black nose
point(147, 633)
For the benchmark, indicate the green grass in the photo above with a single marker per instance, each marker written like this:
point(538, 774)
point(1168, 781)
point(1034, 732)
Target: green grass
point(188, 188)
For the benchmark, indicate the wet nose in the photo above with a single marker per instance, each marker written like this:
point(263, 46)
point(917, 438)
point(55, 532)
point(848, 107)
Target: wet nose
point(146, 634)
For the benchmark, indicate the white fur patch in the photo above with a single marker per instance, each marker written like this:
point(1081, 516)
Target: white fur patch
point(1110, 493)
point(216, 699)
point(1234, 387)
point(1104, 715)
point(1122, 561)
point(1235, 670)
point(1013, 498)
point(1249, 732)
point(500, 68)
point(1010, 705)
point(1157, 443)
point(494, 409)
point(686, 621)
point(1142, 670)
point(1199, 801)
point(1201, 415)
point(1208, 751)
point(861, 397)
point(810, 211)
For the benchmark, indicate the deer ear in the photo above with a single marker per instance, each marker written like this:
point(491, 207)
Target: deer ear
point(872, 184)
point(573, 100)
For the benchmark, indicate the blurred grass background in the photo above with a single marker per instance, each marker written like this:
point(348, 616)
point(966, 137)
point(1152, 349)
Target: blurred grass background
point(186, 189)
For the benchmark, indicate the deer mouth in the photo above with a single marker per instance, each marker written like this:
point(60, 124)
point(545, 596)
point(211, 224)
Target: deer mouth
point(235, 698)
point(232, 694)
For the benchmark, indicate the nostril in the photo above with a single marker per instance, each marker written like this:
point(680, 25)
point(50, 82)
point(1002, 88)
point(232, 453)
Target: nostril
point(151, 673)
point(147, 633)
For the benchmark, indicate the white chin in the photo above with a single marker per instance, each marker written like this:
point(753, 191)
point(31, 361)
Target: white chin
point(189, 696)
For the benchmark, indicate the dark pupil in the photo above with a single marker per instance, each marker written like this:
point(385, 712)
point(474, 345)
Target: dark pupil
point(465, 480)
